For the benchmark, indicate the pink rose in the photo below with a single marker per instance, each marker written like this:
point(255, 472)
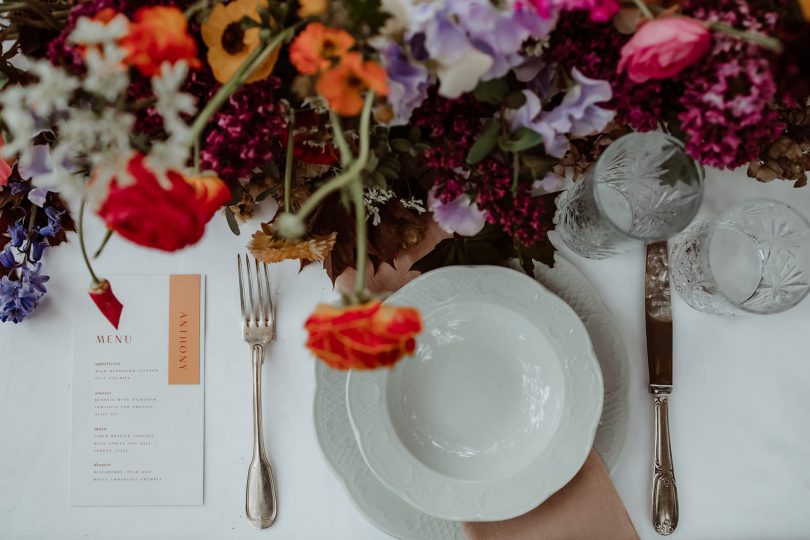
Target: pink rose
point(662, 48)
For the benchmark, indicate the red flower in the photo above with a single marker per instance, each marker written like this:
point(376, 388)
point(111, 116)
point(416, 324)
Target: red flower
point(151, 215)
point(367, 336)
point(159, 34)
point(662, 48)
point(106, 302)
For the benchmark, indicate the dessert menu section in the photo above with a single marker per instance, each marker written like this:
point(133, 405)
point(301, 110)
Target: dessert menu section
point(138, 395)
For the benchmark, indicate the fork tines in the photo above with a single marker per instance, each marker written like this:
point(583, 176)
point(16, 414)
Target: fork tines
point(261, 303)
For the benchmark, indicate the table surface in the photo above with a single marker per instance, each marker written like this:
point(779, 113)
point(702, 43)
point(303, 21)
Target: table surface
point(739, 413)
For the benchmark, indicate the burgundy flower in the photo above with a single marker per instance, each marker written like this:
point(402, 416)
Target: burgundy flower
point(246, 133)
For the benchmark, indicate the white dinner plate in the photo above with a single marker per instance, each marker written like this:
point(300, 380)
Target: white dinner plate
point(385, 510)
point(499, 406)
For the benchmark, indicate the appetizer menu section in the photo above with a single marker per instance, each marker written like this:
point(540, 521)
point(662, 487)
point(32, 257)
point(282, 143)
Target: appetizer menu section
point(138, 395)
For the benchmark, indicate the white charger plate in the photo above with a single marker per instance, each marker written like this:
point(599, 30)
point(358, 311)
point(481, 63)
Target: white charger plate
point(385, 510)
point(499, 406)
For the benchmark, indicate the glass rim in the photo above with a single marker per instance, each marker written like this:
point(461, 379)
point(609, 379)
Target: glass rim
point(646, 239)
point(725, 214)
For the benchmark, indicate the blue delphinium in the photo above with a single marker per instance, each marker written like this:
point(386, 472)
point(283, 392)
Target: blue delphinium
point(23, 285)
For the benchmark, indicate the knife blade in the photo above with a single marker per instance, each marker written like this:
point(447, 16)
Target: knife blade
point(658, 318)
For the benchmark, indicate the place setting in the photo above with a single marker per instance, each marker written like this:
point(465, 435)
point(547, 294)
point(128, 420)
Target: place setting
point(466, 220)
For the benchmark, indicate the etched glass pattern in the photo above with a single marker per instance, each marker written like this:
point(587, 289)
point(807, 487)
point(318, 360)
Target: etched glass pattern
point(644, 188)
point(753, 258)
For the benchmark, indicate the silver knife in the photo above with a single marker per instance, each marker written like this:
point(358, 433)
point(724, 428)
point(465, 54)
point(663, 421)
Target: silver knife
point(658, 310)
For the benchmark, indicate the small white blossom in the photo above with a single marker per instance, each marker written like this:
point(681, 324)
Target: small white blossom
point(106, 73)
point(413, 204)
point(171, 102)
point(52, 92)
point(18, 120)
point(375, 198)
point(92, 32)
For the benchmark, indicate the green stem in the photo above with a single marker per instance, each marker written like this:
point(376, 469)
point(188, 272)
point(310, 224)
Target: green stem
point(80, 227)
point(757, 38)
point(196, 152)
point(255, 59)
point(515, 172)
point(340, 139)
point(354, 170)
point(288, 166)
point(362, 241)
point(30, 236)
point(106, 239)
point(644, 9)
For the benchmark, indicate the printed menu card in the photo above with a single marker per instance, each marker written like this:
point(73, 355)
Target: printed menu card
point(138, 395)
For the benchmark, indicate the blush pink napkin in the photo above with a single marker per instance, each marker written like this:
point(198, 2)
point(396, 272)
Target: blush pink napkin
point(587, 508)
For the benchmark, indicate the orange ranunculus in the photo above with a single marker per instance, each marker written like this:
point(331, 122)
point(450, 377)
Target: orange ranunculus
point(805, 7)
point(367, 336)
point(229, 43)
point(317, 47)
point(312, 7)
point(343, 85)
point(149, 214)
point(159, 34)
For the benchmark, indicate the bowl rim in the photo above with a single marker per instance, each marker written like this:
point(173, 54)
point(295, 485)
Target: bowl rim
point(497, 498)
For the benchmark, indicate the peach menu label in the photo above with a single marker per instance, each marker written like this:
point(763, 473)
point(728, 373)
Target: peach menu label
point(184, 330)
point(138, 395)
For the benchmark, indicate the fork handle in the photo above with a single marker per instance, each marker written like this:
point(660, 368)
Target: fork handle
point(664, 492)
point(260, 496)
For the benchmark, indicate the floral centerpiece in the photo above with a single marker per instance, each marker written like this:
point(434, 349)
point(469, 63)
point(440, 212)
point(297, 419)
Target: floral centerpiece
point(364, 120)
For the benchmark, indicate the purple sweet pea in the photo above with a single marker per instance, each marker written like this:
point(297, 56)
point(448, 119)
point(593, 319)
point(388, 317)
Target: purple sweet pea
point(461, 215)
point(470, 40)
point(529, 116)
point(37, 165)
point(407, 83)
point(579, 114)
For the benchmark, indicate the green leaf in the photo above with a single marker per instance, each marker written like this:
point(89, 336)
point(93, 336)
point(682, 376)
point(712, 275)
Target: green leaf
point(523, 139)
point(485, 144)
point(539, 166)
point(492, 91)
point(490, 246)
point(231, 219)
point(402, 145)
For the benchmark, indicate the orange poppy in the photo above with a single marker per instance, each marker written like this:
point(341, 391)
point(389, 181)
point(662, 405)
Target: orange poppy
point(367, 336)
point(158, 34)
point(343, 85)
point(317, 47)
point(229, 44)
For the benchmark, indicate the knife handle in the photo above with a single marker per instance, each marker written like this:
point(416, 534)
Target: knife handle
point(664, 492)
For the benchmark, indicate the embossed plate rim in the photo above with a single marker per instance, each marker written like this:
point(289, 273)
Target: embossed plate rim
point(611, 435)
point(524, 490)
point(403, 522)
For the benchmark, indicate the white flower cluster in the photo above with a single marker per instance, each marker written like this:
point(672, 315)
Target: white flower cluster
point(375, 197)
point(172, 104)
point(93, 130)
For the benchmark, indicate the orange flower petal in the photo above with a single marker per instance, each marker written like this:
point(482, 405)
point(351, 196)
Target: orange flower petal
point(362, 337)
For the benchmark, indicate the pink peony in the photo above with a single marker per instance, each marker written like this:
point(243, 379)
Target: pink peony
point(662, 48)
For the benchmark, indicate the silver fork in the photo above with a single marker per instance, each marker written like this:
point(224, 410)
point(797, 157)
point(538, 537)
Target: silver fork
point(258, 330)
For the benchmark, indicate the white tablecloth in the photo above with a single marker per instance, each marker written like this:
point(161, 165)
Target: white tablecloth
point(739, 413)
